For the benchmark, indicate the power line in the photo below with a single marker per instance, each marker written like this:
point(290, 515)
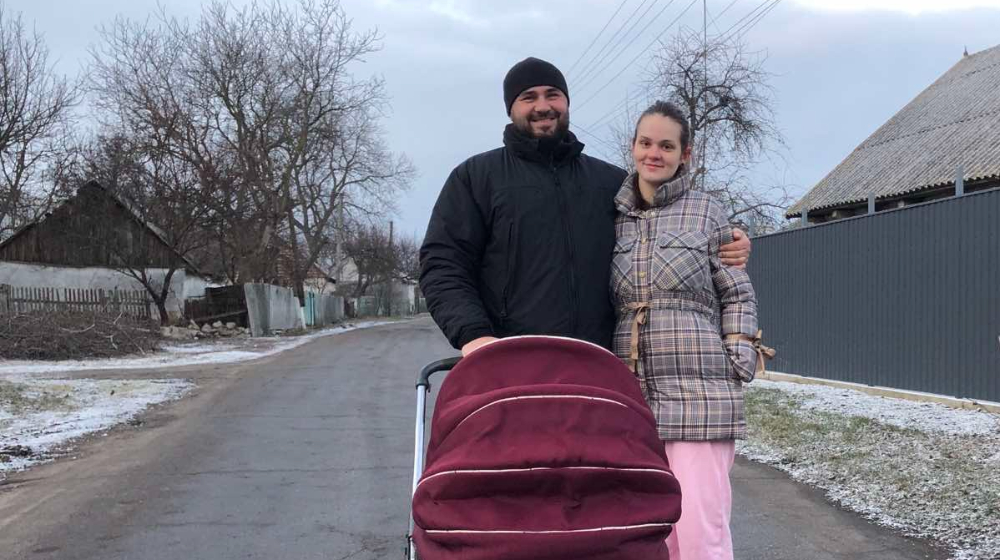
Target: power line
point(618, 110)
point(607, 145)
point(742, 26)
point(591, 71)
point(586, 70)
point(633, 61)
point(601, 32)
point(712, 23)
point(720, 14)
point(630, 33)
point(635, 38)
point(580, 87)
point(745, 19)
point(753, 22)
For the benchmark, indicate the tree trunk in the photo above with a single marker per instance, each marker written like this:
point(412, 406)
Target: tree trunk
point(161, 307)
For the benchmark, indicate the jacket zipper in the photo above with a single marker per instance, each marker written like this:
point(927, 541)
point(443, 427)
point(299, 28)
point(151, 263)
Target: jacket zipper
point(510, 272)
point(568, 230)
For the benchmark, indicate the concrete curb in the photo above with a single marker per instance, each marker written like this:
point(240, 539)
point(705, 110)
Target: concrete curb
point(954, 402)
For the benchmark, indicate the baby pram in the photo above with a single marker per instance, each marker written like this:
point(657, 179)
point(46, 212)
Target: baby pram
point(540, 447)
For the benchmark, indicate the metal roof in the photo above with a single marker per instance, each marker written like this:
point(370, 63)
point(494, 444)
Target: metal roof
point(955, 121)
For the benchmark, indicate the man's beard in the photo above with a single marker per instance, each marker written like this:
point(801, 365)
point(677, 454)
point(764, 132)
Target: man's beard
point(557, 131)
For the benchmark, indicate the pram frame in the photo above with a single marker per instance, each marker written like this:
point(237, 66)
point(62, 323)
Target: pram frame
point(423, 388)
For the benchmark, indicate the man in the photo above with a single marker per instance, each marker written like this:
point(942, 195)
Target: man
point(521, 237)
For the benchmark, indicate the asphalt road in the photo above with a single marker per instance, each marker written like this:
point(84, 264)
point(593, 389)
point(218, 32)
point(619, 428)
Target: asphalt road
point(308, 454)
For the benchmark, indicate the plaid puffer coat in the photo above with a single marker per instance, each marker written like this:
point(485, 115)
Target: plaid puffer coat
point(675, 303)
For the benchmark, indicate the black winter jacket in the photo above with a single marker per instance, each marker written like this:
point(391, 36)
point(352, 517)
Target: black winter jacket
point(520, 242)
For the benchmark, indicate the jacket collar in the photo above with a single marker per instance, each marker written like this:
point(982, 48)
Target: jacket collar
point(555, 152)
point(628, 200)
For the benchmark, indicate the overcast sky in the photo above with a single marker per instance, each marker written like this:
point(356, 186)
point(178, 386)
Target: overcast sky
point(842, 67)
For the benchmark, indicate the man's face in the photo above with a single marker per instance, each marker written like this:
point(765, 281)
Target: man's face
point(541, 112)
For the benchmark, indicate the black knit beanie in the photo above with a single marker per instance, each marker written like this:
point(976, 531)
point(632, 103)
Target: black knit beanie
point(529, 73)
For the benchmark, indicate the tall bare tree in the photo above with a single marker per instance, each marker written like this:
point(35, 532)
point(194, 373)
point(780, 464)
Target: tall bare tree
point(724, 89)
point(353, 169)
point(161, 195)
point(371, 249)
point(383, 260)
point(261, 103)
point(35, 115)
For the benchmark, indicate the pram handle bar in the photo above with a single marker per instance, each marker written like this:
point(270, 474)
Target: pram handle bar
point(423, 387)
point(430, 369)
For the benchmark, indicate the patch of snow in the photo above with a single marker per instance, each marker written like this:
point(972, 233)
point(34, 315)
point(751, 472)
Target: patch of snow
point(196, 348)
point(91, 406)
point(936, 479)
point(923, 416)
point(175, 356)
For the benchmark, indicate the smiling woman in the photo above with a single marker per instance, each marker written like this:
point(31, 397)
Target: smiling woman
point(686, 325)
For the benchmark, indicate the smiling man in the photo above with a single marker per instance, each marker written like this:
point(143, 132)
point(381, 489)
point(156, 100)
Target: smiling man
point(521, 237)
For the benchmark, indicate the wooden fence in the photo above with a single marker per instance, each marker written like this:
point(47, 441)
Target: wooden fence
point(226, 303)
point(26, 299)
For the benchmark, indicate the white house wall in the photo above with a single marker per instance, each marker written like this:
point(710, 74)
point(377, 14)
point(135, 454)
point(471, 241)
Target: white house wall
point(194, 286)
point(92, 278)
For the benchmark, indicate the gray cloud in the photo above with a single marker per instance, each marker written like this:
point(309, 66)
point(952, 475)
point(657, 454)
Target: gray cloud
point(838, 75)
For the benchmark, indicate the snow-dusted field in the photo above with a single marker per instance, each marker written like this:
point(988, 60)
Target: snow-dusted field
point(926, 469)
point(40, 414)
point(52, 412)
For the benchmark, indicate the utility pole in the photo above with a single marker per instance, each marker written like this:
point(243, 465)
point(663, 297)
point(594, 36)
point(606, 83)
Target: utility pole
point(391, 280)
point(704, 20)
point(340, 231)
point(704, 54)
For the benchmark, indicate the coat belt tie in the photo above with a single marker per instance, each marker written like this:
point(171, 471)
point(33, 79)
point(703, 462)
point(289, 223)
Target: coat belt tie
point(641, 308)
point(763, 352)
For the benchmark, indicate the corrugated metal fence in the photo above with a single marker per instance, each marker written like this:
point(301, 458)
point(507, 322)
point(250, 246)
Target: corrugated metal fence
point(908, 298)
point(275, 308)
point(323, 309)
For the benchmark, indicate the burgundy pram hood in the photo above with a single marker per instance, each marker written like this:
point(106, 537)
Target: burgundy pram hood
point(543, 448)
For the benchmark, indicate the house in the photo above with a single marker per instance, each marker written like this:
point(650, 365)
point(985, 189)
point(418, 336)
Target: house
point(320, 282)
point(946, 142)
point(316, 281)
point(69, 248)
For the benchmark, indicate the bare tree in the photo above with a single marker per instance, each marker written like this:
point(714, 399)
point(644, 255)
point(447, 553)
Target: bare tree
point(261, 104)
point(371, 249)
point(353, 169)
point(622, 134)
point(408, 258)
point(382, 260)
point(164, 198)
point(724, 90)
point(35, 115)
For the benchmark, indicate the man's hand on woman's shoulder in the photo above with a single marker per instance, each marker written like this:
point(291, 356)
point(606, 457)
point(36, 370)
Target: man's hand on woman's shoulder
point(737, 253)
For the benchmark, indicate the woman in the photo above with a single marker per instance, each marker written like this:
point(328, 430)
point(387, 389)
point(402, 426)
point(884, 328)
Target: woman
point(686, 326)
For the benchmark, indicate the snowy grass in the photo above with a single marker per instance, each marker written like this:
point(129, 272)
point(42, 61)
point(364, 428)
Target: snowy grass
point(18, 398)
point(925, 469)
point(39, 416)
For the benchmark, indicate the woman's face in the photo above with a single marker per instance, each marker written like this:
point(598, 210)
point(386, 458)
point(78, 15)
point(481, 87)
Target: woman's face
point(657, 151)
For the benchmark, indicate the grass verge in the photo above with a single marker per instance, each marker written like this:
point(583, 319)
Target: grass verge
point(929, 484)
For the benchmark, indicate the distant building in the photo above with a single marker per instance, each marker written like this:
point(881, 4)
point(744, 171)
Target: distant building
point(945, 141)
point(68, 248)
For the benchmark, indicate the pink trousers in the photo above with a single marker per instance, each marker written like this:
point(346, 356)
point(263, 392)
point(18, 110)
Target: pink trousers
point(702, 469)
